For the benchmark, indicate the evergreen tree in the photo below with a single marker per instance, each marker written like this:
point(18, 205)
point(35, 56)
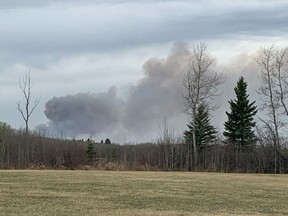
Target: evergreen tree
point(90, 150)
point(107, 141)
point(204, 131)
point(240, 124)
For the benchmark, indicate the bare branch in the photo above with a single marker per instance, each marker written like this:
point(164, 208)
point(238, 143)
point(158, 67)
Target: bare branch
point(26, 88)
point(200, 83)
point(281, 76)
point(274, 89)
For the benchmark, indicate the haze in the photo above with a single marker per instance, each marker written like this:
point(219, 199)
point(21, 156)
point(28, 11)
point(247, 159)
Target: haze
point(114, 68)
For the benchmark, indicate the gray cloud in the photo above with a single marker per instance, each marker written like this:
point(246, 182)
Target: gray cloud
point(15, 4)
point(62, 30)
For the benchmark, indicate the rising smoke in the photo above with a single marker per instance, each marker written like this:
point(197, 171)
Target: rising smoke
point(159, 94)
point(155, 97)
point(83, 113)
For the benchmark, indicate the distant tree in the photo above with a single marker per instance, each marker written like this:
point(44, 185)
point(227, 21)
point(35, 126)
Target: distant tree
point(90, 150)
point(204, 131)
point(107, 141)
point(240, 124)
point(6, 133)
point(166, 142)
point(5, 129)
point(28, 109)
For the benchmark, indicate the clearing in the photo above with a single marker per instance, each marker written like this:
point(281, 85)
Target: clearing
point(63, 192)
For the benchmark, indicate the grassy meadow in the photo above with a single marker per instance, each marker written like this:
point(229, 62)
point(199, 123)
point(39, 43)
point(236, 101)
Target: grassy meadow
point(50, 192)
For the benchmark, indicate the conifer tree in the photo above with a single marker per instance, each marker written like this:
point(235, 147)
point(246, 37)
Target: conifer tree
point(90, 150)
point(107, 141)
point(240, 124)
point(204, 131)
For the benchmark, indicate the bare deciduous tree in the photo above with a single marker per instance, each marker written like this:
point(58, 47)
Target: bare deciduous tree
point(166, 141)
point(273, 62)
point(201, 85)
point(26, 111)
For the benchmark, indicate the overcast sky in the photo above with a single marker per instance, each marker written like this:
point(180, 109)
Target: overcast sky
point(94, 50)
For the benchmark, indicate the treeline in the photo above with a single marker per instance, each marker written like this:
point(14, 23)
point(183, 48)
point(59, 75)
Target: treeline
point(165, 155)
point(248, 144)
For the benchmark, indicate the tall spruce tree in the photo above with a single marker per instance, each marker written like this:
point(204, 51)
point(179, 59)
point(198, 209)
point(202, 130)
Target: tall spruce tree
point(204, 131)
point(240, 124)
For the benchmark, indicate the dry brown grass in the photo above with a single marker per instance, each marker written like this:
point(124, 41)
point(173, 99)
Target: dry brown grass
point(47, 192)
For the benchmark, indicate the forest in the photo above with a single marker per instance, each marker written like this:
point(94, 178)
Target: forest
point(248, 144)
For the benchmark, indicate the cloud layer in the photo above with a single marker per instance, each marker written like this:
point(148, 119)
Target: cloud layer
point(72, 47)
point(61, 28)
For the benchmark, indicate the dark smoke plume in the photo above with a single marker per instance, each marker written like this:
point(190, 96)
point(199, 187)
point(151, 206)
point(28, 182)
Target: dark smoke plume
point(84, 113)
point(155, 97)
point(139, 116)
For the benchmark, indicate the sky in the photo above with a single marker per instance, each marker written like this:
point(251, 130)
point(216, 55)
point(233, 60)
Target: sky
point(114, 68)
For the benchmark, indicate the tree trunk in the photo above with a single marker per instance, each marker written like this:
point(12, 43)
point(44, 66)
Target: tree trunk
point(195, 152)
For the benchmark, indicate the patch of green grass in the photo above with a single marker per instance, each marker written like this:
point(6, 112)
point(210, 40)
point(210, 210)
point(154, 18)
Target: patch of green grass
point(141, 193)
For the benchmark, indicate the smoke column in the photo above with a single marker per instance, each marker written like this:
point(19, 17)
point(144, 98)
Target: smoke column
point(155, 97)
point(84, 113)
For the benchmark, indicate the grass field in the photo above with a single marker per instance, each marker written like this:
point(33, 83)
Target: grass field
point(141, 193)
